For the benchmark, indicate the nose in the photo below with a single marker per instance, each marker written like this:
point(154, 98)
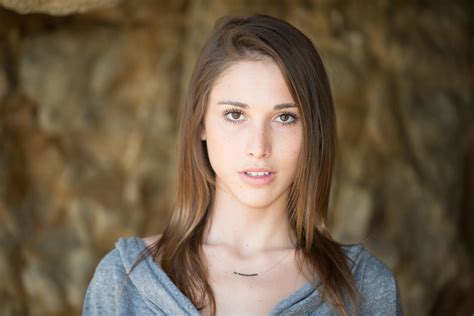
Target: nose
point(258, 143)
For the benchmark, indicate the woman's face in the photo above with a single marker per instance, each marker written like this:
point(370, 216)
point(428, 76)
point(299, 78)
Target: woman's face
point(252, 124)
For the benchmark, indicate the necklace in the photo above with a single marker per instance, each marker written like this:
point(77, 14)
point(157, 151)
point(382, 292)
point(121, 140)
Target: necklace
point(256, 274)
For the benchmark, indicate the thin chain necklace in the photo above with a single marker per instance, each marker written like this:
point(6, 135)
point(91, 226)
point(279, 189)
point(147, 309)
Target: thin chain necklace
point(256, 274)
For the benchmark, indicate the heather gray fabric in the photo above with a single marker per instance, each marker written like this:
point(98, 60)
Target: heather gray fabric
point(149, 291)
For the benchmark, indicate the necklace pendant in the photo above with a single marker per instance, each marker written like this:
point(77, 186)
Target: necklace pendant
point(245, 274)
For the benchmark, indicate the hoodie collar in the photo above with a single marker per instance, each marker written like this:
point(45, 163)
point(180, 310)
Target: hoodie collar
point(163, 296)
point(155, 287)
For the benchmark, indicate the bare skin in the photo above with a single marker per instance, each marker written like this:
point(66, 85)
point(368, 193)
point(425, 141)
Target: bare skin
point(238, 295)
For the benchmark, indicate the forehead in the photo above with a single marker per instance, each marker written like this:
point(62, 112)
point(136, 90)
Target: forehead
point(252, 82)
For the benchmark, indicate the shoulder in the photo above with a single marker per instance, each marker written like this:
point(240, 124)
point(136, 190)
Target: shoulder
point(110, 288)
point(375, 281)
point(117, 263)
point(366, 267)
point(373, 273)
point(101, 291)
point(110, 266)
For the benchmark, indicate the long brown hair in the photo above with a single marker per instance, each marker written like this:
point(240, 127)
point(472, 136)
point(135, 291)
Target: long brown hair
point(179, 249)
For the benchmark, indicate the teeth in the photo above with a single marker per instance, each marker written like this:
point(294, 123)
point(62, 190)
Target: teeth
point(257, 174)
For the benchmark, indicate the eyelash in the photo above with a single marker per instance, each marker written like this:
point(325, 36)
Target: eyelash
point(225, 112)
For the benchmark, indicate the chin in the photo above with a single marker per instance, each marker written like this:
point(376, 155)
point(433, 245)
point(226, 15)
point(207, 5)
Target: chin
point(257, 202)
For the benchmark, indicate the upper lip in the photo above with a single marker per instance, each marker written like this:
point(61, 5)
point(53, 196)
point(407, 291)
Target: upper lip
point(258, 170)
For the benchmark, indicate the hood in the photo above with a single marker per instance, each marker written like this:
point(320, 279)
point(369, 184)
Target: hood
point(162, 296)
point(155, 287)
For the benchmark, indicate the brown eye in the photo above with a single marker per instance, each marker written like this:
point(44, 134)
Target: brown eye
point(284, 117)
point(287, 118)
point(235, 115)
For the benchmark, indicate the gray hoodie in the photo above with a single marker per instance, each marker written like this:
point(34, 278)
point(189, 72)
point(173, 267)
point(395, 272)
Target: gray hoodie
point(149, 291)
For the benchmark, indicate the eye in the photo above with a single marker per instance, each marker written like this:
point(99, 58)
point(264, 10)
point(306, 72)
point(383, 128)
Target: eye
point(235, 116)
point(287, 118)
point(232, 116)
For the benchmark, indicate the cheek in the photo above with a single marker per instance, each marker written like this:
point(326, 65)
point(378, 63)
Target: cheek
point(217, 151)
point(221, 149)
point(291, 157)
point(290, 146)
point(291, 163)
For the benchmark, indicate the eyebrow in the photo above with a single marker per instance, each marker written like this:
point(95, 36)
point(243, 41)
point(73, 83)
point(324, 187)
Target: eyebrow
point(245, 106)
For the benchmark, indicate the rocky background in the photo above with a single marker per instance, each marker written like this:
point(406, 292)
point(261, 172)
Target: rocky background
point(90, 93)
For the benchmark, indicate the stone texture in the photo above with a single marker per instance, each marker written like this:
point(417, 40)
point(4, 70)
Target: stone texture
point(56, 7)
point(88, 118)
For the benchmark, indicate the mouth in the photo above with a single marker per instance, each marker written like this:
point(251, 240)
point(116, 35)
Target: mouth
point(260, 177)
point(258, 171)
point(257, 174)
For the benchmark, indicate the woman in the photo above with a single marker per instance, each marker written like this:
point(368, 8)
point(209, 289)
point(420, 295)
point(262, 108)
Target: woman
point(247, 235)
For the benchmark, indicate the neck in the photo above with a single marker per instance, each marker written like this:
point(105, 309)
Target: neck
point(248, 230)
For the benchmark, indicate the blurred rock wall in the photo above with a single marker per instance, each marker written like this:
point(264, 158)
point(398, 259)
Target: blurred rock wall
point(90, 93)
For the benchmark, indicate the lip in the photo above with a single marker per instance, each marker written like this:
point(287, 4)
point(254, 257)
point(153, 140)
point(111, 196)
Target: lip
point(260, 180)
point(257, 170)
